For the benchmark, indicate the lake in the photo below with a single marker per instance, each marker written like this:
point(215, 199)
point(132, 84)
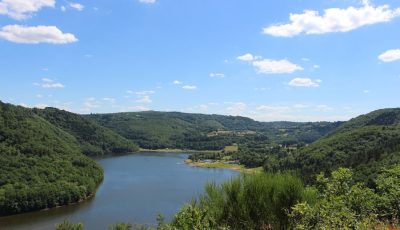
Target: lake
point(136, 188)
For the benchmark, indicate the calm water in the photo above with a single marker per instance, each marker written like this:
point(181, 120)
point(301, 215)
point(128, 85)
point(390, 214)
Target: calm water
point(136, 189)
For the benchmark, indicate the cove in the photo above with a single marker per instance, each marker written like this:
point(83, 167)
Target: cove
point(136, 188)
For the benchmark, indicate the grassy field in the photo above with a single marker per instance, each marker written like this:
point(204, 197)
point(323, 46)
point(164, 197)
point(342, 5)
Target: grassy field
point(223, 165)
point(231, 148)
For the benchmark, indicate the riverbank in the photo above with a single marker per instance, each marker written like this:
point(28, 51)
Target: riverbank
point(176, 151)
point(224, 165)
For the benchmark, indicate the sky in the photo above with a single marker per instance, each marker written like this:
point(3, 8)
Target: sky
point(293, 60)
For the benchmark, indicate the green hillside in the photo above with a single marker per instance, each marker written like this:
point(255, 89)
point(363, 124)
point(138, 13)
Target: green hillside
point(366, 144)
point(41, 165)
point(92, 138)
point(155, 130)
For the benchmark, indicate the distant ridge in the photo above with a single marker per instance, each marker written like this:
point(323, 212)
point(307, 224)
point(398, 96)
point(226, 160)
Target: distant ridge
point(367, 144)
point(156, 130)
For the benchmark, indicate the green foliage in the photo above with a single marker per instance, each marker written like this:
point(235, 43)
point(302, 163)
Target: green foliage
point(342, 204)
point(366, 144)
point(388, 187)
point(247, 202)
point(92, 138)
point(157, 130)
point(192, 217)
point(120, 226)
point(41, 166)
point(66, 225)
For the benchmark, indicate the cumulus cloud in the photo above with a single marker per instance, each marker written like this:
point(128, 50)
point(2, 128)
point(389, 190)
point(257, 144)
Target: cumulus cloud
point(176, 82)
point(90, 104)
point(304, 82)
point(145, 99)
point(248, 57)
point(148, 1)
point(268, 66)
point(390, 55)
point(189, 87)
point(35, 35)
point(217, 75)
point(236, 109)
point(333, 20)
point(23, 9)
point(49, 83)
point(76, 6)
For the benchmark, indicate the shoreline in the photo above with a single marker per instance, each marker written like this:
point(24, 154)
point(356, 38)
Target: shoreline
point(176, 151)
point(224, 165)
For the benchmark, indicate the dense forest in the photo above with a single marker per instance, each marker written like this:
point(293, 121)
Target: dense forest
point(41, 165)
point(92, 138)
point(42, 157)
point(157, 130)
point(366, 144)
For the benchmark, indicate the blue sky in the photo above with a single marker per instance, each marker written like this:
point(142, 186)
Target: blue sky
point(269, 60)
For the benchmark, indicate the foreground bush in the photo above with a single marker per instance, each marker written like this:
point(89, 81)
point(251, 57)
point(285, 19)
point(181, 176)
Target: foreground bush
point(247, 202)
point(343, 204)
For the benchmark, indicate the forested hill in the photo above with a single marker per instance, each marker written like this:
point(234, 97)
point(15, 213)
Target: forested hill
point(367, 144)
point(93, 139)
point(41, 165)
point(155, 130)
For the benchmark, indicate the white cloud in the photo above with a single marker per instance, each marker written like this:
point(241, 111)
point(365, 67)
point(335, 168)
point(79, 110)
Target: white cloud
point(189, 87)
point(91, 102)
point(248, 57)
point(145, 99)
point(148, 1)
point(145, 92)
point(300, 106)
point(270, 108)
point(133, 108)
point(267, 66)
point(63, 8)
point(236, 109)
point(316, 66)
point(217, 75)
point(35, 35)
point(261, 89)
point(76, 6)
point(176, 82)
point(390, 55)
point(24, 105)
point(49, 83)
point(109, 100)
point(304, 82)
point(324, 108)
point(333, 20)
point(41, 106)
point(23, 9)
